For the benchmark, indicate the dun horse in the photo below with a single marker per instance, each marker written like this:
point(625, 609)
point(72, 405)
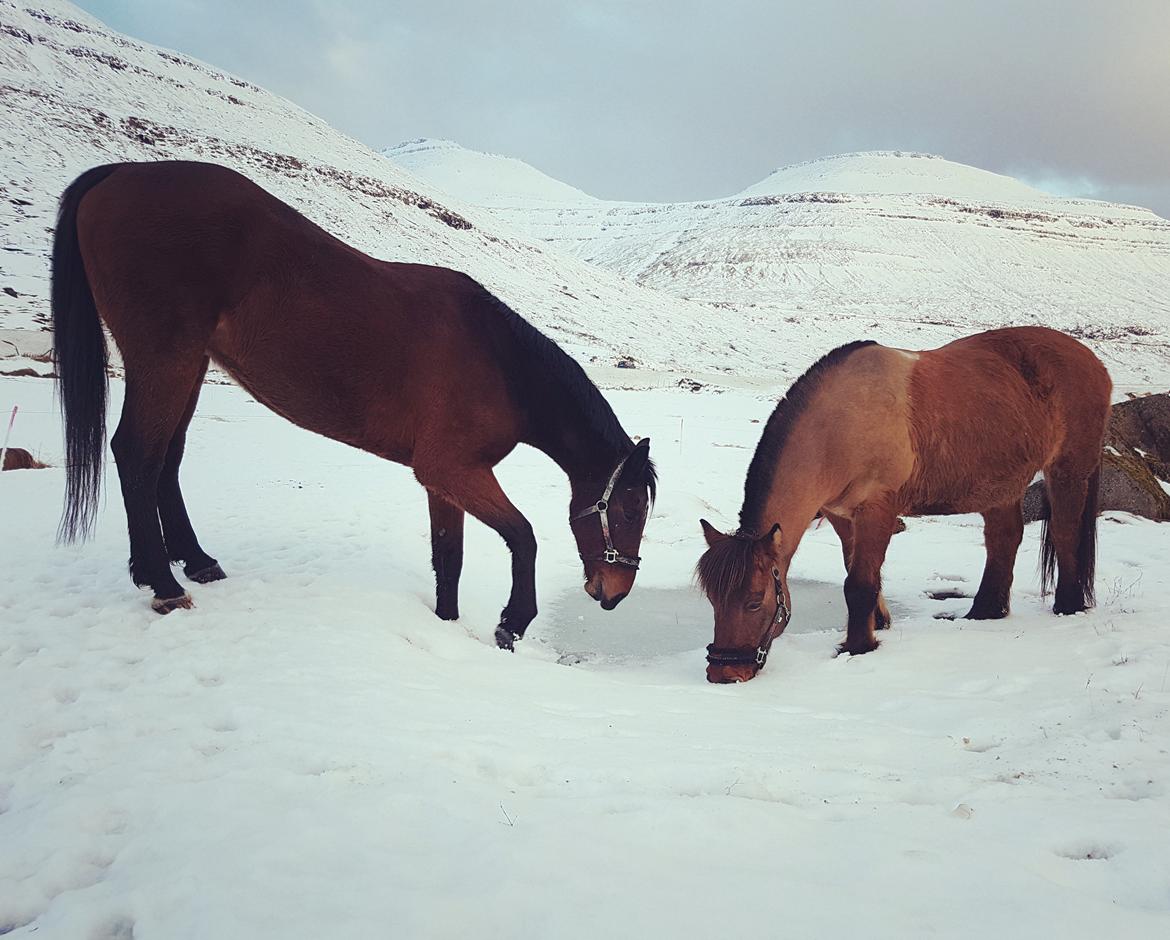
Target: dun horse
point(871, 433)
point(191, 262)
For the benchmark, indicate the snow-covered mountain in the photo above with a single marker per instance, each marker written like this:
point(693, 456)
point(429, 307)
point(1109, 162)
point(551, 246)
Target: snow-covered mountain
point(487, 179)
point(894, 173)
point(905, 249)
point(74, 93)
point(894, 240)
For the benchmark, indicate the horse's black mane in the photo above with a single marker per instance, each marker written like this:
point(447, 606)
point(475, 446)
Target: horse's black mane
point(758, 485)
point(552, 361)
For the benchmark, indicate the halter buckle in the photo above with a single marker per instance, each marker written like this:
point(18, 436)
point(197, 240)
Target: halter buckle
point(761, 657)
point(610, 555)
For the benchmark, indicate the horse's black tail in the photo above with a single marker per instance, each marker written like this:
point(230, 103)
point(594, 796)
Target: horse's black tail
point(80, 357)
point(1086, 543)
point(1047, 546)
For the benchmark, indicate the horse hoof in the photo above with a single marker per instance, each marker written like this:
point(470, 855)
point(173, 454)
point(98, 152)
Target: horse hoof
point(212, 572)
point(505, 639)
point(986, 613)
point(164, 605)
point(858, 649)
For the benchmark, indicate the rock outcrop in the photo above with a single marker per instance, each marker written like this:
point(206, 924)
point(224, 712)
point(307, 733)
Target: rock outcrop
point(1135, 461)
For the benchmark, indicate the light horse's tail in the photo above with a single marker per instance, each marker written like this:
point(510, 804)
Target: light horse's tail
point(80, 357)
point(1086, 543)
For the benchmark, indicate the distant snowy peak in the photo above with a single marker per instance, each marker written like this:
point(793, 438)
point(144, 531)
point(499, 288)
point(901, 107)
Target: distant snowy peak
point(493, 181)
point(897, 173)
point(483, 179)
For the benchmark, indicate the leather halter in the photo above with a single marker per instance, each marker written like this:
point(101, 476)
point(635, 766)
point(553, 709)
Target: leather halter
point(726, 656)
point(611, 555)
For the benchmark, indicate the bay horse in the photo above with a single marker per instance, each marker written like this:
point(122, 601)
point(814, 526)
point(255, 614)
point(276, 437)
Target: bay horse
point(871, 433)
point(189, 262)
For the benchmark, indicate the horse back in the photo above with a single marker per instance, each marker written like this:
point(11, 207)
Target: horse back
point(988, 411)
point(195, 257)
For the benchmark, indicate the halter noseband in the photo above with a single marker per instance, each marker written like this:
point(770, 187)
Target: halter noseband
point(611, 555)
point(726, 656)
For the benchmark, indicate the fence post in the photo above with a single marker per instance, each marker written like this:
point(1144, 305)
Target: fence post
point(7, 435)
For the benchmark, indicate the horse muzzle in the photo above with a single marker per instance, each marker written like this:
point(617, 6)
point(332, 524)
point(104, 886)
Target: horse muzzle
point(723, 674)
point(595, 588)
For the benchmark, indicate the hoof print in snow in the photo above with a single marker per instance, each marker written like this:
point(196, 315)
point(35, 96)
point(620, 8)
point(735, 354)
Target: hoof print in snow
point(947, 594)
point(946, 615)
point(120, 928)
point(979, 746)
point(1087, 852)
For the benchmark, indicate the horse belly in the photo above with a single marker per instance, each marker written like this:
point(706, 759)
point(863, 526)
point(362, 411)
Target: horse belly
point(297, 379)
point(973, 494)
point(977, 458)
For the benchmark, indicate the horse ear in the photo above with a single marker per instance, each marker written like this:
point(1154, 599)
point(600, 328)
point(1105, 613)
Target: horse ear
point(711, 534)
point(776, 536)
point(636, 462)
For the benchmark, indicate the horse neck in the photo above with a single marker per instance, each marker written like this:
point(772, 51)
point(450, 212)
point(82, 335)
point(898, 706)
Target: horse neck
point(799, 484)
point(561, 430)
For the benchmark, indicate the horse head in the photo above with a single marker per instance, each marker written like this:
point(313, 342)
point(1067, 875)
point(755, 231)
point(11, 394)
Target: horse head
point(745, 579)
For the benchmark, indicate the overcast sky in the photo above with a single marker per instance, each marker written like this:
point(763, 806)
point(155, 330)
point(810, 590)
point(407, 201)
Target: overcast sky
point(673, 99)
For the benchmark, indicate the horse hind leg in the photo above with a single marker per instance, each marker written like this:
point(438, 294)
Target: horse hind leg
point(1003, 530)
point(178, 534)
point(1070, 536)
point(157, 396)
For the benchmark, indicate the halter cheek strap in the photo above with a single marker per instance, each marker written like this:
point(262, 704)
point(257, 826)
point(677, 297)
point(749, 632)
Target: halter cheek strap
point(611, 555)
point(727, 656)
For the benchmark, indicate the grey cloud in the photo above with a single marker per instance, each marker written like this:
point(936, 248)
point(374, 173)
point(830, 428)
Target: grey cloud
point(686, 100)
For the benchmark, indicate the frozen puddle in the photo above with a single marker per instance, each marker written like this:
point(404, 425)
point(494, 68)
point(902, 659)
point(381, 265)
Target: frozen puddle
point(655, 622)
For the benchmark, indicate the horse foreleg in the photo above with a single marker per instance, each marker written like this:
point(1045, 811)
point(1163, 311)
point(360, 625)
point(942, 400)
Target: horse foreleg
point(1003, 530)
point(446, 554)
point(844, 529)
point(873, 526)
point(478, 492)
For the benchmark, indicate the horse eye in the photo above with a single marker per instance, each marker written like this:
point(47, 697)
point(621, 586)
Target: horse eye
point(632, 510)
point(754, 606)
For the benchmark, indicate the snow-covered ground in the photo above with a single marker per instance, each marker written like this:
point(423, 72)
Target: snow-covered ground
point(310, 752)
